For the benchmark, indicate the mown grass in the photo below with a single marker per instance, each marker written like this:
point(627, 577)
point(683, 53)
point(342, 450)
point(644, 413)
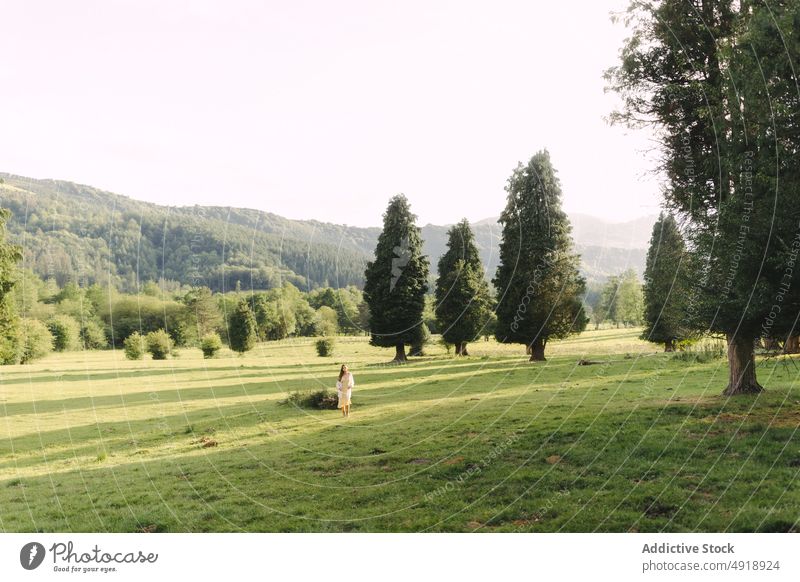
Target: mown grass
point(638, 441)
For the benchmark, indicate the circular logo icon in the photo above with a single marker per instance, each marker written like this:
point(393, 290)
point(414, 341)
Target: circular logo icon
point(31, 555)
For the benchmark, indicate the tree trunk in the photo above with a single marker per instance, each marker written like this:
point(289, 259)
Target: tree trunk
point(742, 367)
point(400, 353)
point(792, 345)
point(537, 350)
point(462, 349)
point(669, 346)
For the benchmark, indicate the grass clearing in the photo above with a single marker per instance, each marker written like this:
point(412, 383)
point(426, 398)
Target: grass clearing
point(638, 441)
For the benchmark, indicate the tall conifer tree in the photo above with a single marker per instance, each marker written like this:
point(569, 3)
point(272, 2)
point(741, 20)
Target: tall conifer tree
point(538, 284)
point(463, 302)
point(665, 285)
point(396, 281)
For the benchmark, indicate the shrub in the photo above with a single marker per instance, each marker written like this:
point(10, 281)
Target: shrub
point(66, 333)
point(92, 336)
point(35, 340)
point(134, 346)
point(159, 344)
point(210, 344)
point(325, 346)
point(446, 345)
point(319, 399)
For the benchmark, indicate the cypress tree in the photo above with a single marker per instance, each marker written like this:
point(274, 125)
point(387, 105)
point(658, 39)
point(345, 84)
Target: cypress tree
point(463, 302)
point(665, 285)
point(396, 281)
point(538, 284)
point(242, 328)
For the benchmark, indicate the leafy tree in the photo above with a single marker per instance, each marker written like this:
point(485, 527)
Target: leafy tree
point(607, 304)
point(210, 344)
point(665, 285)
point(463, 302)
point(630, 301)
point(66, 333)
point(537, 280)
point(326, 322)
point(396, 281)
point(159, 344)
point(28, 293)
point(303, 313)
point(274, 314)
point(36, 341)
point(10, 255)
point(344, 301)
point(717, 82)
point(92, 336)
point(203, 310)
point(242, 328)
point(134, 346)
point(142, 313)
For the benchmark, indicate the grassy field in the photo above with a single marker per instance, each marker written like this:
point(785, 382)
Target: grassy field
point(638, 441)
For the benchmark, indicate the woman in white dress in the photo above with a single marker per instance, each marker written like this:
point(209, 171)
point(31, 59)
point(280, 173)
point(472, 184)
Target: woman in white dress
point(344, 388)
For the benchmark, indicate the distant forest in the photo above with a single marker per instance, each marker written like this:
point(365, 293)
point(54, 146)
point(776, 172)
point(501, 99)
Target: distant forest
point(71, 232)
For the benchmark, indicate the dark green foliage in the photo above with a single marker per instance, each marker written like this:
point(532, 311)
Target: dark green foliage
point(396, 280)
point(10, 255)
point(159, 344)
point(66, 333)
point(92, 335)
point(463, 302)
point(325, 346)
point(274, 315)
point(718, 83)
point(35, 340)
point(242, 328)
point(210, 344)
point(135, 346)
point(665, 286)
point(143, 313)
point(538, 285)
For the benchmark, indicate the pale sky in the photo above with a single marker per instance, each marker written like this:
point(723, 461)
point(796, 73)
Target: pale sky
point(316, 109)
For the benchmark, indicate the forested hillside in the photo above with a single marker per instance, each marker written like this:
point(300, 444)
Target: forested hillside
point(75, 232)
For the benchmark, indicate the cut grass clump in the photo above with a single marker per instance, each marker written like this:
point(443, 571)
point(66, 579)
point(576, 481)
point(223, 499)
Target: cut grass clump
point(318, 399)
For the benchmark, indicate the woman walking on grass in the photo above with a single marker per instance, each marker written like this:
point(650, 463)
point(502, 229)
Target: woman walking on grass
point(344, 387)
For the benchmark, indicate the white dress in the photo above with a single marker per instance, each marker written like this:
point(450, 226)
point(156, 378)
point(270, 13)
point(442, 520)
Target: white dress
point(344, 389)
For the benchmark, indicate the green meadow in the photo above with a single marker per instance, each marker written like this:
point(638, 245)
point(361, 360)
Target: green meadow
point(637, 441)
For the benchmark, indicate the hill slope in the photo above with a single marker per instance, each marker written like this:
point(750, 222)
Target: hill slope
point(75, 232)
